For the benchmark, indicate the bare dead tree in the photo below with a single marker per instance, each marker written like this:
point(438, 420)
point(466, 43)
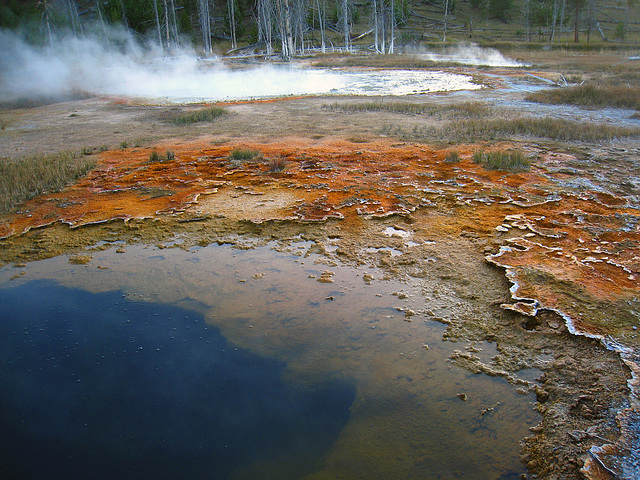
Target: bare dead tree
point(346, 30)
point(46, 19)
point(528, 19)
point(299, 24)
point(265, 23)
point(231, 5)
point(284, 28)
point(376, 33)
point(102, 22)
point(562, 15)
point(174, 23)
point(321, 21)
point(157, 20)
point(166, 22)
point(392, 17)
point(554, 21)
point(446, 11)
point(74, 18)
point(204, 14)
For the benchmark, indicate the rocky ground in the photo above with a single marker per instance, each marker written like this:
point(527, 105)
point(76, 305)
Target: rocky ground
point(534, 257)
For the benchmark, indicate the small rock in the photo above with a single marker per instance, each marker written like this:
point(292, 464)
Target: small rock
point(80, 259)
point(325, 277)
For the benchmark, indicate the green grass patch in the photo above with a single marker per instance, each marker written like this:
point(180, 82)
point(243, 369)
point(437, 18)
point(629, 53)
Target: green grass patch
point(552, 128)
point(244, 154)
point(465, 109)
point(503, 160)
point(477, 129)
point(154, 156)
point(27, 177)
point(198, 116)
point(590, 95)
point(452, 157)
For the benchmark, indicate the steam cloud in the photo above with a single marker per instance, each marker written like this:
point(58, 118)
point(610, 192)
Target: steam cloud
point(471, 54)
point(118, 64)
point(123, 66)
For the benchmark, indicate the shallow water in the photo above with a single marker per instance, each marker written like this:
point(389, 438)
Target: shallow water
point(623, 117)
point(217, 83)
point(220, 362)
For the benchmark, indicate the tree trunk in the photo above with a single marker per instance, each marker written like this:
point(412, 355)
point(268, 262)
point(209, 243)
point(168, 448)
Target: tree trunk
point(166, 22)
point(205, 24)
point(393, 24)
point(102, 23)
point(446, 11)
point(345, 24)
point(231, 4)
point(576, 24)
point(284, 22)
point(174, 23)
point(124, 15)
point(528, 17)
point(265, 24)
point(157, 18)
point(376, 39)
point(321, 21)
point(554, 21)
point(562, 13)
point(47, 21)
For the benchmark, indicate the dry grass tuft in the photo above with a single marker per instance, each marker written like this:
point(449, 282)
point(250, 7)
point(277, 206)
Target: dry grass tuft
point(465, 109)
point(198, 116)
point(590, 95)
point(277, 164)
point(244, 154)
point(503, 160)
point(156, 157)
point(452, 157)
point(476, 129)
point(24, 178)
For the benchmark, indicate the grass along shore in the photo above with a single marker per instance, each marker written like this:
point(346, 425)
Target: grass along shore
point(27, 177)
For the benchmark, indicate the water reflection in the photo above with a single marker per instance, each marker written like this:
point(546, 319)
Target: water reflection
point(95, 386)
point(321, 329)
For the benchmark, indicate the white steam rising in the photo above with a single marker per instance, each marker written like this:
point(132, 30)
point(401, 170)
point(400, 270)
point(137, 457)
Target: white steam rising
point(122, 66)
point(470, 54)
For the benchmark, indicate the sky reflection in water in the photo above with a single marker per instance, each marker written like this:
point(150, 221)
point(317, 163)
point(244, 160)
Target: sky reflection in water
point(248, 364)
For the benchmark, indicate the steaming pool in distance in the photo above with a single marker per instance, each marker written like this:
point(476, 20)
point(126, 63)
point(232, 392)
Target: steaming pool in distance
point(71, 66)
point(221, 84)
point(217, 362)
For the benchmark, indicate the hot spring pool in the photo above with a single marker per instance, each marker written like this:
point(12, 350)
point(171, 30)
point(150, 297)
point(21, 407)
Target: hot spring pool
point(219, 362)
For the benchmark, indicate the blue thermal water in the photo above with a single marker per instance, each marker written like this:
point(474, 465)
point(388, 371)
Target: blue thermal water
point(95, 386)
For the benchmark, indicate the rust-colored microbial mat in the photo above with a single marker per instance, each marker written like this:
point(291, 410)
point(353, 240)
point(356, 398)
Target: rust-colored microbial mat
point(568, 242)
point(574, 250)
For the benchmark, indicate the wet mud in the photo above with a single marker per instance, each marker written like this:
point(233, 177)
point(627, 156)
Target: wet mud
point(543, 265)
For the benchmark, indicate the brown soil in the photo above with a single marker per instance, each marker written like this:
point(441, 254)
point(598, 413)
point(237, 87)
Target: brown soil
point(571, 248)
